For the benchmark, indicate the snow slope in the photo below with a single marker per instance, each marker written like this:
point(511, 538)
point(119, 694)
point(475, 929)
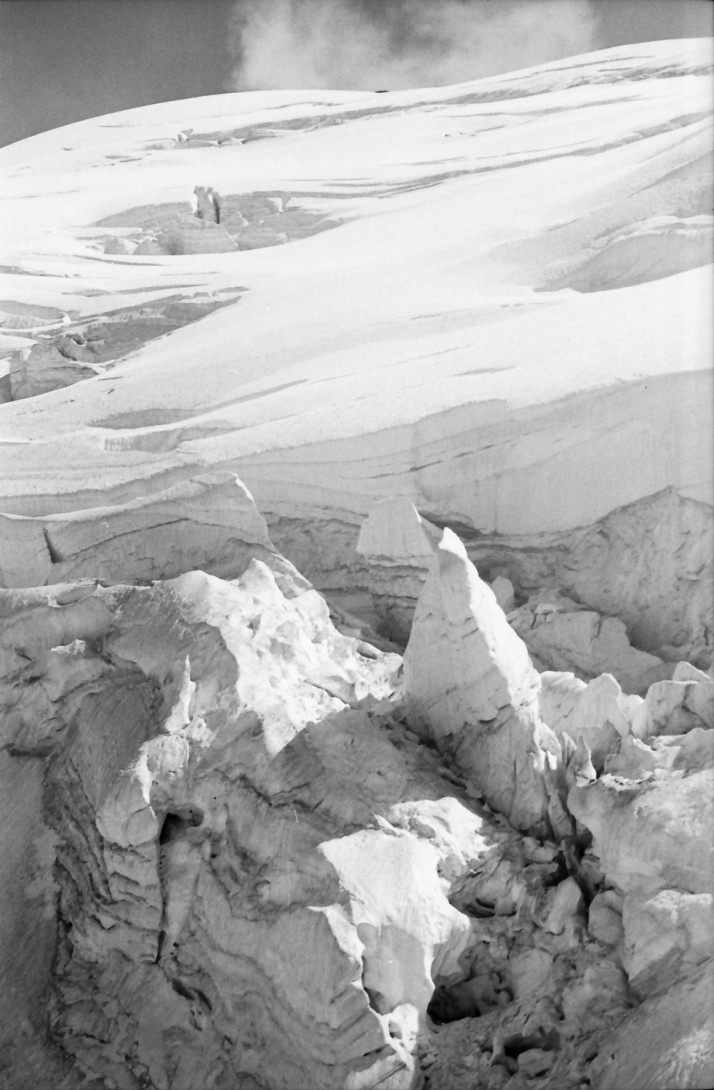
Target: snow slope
point(492, 298)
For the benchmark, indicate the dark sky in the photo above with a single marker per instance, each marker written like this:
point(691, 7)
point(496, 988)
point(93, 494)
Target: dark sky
point(64, 60)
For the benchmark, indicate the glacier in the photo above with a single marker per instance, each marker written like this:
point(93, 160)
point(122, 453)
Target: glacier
point(289, 795)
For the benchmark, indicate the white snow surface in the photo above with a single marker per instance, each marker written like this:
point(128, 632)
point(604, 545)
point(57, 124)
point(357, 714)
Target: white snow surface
point(510, 322)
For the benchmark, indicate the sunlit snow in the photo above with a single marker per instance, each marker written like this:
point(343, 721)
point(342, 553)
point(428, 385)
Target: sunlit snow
point(487, 293)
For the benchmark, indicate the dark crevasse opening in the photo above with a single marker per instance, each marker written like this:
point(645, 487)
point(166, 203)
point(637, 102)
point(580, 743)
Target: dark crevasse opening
point(469, 998)
point(174, 826)
point(179, 819)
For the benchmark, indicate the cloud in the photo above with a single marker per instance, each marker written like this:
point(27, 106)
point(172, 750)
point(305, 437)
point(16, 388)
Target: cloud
point(375, 44)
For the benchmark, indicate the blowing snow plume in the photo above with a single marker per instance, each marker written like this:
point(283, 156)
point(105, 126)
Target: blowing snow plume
point(372, 44)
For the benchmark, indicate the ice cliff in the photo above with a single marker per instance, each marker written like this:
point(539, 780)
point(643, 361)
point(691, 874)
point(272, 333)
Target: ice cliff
point(441, 356)
point(248, 850)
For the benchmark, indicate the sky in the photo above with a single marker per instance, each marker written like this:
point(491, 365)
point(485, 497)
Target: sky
point(64, 60)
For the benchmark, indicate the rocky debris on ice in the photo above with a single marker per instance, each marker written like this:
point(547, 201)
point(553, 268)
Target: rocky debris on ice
point(209, 521)
point(471, 690)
